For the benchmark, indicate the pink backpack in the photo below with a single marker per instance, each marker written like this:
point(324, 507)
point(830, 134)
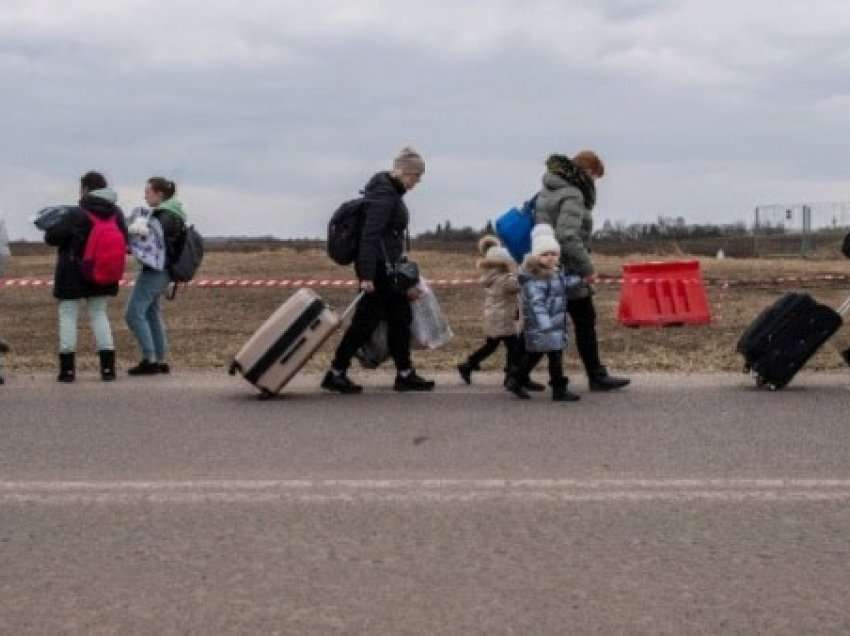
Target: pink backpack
point(106, 252)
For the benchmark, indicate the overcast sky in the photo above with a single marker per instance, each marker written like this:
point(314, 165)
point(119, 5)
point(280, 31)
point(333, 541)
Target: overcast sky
point(270, 113)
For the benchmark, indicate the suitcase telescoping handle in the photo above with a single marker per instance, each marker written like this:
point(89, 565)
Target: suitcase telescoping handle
point(349, 311)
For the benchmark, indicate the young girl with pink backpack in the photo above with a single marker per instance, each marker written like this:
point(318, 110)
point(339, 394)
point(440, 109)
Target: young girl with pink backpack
point(91, 242)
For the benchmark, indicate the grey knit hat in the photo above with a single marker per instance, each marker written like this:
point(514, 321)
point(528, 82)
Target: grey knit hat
point(409, 161)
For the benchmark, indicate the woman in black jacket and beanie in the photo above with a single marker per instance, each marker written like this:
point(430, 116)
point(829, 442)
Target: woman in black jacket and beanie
point(385, 221)
point(70, 286)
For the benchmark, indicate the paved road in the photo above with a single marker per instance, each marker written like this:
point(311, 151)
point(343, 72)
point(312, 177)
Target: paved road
point(688, 504)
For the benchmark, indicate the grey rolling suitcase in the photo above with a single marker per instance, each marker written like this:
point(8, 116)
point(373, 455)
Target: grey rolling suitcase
point(287, 340)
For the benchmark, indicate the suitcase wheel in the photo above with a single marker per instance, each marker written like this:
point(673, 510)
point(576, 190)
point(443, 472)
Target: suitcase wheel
point(265, 395)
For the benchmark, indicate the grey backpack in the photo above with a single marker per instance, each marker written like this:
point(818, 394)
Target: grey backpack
point(188, 261)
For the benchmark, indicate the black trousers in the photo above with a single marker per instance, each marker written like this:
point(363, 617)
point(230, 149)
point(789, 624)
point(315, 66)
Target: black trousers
point(583, 315)
point(530, 359)
point(489, 348)
point(380, 305)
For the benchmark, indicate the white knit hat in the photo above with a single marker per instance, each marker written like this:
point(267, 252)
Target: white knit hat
point(543, 240)
point(499, 254)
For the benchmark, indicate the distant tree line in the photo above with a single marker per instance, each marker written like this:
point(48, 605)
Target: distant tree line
point(447, 233)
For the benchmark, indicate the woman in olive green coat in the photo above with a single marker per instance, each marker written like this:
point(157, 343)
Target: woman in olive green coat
point(566, 203)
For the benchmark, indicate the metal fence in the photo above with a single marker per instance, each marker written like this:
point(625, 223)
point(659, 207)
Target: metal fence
point(797, 229)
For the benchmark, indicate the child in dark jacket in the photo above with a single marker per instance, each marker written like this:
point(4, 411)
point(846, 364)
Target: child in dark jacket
point(71, 283)
point(544, 309)
point(501, 306)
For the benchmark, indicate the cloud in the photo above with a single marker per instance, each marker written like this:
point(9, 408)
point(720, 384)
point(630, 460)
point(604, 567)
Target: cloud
point(269, 114)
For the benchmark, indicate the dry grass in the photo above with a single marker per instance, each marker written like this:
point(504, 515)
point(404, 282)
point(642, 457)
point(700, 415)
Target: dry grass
point(207, 326)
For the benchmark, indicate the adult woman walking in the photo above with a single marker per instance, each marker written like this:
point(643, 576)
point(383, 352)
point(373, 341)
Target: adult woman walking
point(382, 239)
point(144, 311)
point(566, 203)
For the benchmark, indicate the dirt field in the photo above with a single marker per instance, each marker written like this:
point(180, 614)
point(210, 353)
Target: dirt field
point(207, 326)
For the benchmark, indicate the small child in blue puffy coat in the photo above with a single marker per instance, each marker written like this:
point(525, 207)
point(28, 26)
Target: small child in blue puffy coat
point(544, 310)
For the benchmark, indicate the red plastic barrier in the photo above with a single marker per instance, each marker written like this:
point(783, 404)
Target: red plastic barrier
point(656, 294)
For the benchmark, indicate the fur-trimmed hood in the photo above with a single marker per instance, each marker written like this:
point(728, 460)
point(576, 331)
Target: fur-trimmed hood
point(494, 256)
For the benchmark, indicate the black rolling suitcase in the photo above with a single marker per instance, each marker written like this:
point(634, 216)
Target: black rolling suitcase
point(784, 336)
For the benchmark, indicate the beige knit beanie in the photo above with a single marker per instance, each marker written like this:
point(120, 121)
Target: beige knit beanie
point(409, 161)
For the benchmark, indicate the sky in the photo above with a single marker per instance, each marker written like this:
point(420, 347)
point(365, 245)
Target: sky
point(268, 114)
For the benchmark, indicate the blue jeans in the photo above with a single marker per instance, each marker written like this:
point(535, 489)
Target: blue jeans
point(69, 311)
point(144, 315)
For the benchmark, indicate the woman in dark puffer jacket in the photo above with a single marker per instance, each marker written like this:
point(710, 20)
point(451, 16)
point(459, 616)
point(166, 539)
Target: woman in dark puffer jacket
point(381, 243)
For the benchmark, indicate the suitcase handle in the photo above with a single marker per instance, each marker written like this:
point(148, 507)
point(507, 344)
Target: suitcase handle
point(349, 311)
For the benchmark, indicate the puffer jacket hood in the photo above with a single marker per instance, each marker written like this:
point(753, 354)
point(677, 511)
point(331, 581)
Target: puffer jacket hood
point(100, 206)
point(107, 194)
point(174, 206)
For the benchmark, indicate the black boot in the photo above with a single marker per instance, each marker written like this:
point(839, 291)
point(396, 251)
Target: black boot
point(465, 370)
point(339, 383)
point(107, 365)
point(67, 372)
point(530, 385)
point(560, 393)
point(599, 380)
point(412, 382)
point(514, 385)
point(846, 355)
point(4, 346)
point(145, 367)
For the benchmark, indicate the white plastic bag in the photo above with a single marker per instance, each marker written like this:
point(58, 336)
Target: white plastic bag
point(147, 241)
point(430, 329)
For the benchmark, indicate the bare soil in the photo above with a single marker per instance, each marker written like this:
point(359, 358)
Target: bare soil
point(207, 326)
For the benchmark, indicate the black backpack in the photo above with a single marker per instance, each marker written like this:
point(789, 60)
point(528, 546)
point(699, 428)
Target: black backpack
point(344, 231)
point(188, 262)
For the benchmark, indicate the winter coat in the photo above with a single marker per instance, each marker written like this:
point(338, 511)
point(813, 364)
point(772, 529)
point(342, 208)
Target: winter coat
point(69, 235)
point(501, 299)
point(544, 307)
point(562, 205)
point(385, 220)
point(172, 218)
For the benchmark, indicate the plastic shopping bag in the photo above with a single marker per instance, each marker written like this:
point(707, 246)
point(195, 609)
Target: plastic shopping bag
point(376, 350)
point(147, 241)
point(430, 329)
point(48, 217)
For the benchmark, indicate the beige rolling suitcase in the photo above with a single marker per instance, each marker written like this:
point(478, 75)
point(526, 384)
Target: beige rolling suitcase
point(287, 340)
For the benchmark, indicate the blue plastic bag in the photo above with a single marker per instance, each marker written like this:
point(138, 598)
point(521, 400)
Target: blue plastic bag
point(514, 229)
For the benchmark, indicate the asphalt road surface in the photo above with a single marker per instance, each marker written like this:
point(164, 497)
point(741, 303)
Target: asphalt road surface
point(686, 504)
